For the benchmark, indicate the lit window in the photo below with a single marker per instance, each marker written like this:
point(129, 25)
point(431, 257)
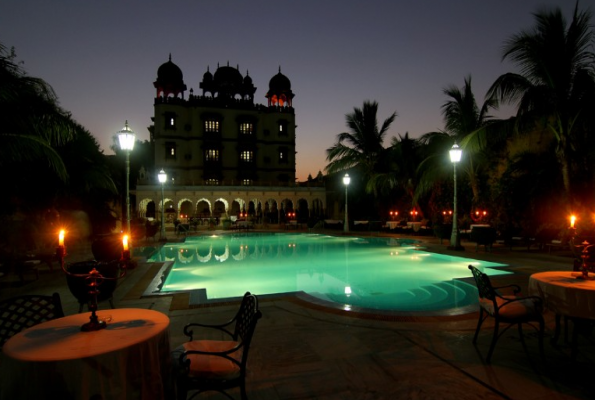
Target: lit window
point(283, 156)
point(169, 120)
point(212, 155)
point(170, 150)
point(247, 156)
point(212, 126)
point(246, 128)
point(247, 182)
point(212, 182)
point(283, 128)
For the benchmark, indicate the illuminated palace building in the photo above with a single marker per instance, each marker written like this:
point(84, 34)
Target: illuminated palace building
point(222, 153)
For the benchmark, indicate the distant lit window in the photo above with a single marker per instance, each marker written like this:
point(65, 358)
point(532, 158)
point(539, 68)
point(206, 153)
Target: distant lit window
point(170, 120)
point(247, 156)
point(246, 182)
point(212, 182)
point(247, 128)
point(283, 156)
point(283, 128)
point(212, 126)
point(212, 155)
point(170, 150)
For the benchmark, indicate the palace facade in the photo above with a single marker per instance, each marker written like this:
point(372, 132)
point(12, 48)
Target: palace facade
point(223, 153)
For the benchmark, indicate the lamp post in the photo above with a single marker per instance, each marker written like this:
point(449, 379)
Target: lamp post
point(346, 180)
point(162, 178)
point(455, 240)
point(127, 138)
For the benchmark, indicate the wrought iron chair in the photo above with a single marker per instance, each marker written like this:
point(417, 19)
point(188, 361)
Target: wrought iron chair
point(21, 312)
point(217, 365)
point(508, 309)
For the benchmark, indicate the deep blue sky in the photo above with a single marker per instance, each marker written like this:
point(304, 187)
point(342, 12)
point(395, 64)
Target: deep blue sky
point(101, 57)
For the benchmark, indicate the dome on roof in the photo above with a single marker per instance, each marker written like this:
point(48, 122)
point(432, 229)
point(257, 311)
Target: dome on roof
point(170, 80)
point(279, 83)
point(280, 93)
point(247, 79)
point(170, 73)
point(207, 76)
point(228, 76)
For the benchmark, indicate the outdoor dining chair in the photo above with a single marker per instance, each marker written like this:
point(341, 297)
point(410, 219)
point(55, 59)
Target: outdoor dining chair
point(217, 365)
point(506, 309)
point(21, 312)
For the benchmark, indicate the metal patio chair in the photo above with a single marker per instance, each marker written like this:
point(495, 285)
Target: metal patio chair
point(217, 365)
point(21, 312)
point(507, 309)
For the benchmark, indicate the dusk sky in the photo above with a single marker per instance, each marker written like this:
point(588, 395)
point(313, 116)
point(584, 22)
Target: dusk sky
point(101, 57)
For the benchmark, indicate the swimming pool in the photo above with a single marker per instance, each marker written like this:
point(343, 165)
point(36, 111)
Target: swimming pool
point(370, 273)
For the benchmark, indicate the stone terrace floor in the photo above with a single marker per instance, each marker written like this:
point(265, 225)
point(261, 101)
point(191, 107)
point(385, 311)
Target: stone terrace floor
point(301, 351)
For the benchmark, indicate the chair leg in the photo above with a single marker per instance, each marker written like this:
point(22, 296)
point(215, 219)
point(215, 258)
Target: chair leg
point(521, 336)
point(494, 340)
point(479, 322)
point(243, 390)
point(181, 391)
point(541, 335)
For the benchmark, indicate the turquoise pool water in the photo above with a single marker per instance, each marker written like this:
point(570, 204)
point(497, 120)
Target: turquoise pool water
point(372, 273)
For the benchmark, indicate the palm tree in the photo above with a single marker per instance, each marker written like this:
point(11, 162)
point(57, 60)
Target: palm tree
point(463, 118)
point(465, 123)
point(556, 77)
point(52, 159)
point(31, 122)
point(396, 176)
point(362, 147)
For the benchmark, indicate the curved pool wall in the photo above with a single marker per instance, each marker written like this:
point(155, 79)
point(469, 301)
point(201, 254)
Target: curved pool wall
point(384, 274)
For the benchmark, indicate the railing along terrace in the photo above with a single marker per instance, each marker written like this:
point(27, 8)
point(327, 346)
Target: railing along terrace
point(208, 101)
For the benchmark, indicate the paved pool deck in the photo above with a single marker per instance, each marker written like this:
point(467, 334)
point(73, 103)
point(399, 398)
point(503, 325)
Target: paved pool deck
point(304, 351)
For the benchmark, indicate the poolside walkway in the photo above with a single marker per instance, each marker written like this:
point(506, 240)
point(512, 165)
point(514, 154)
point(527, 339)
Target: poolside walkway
point(301, 351)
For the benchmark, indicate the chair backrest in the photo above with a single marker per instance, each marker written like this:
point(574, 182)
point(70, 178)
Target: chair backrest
point(246, 319)
point(484, 286)
point(21, 312)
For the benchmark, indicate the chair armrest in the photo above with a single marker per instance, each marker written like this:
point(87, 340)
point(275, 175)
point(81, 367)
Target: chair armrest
point(515, 288)
point(188, 331)
point(215, 353)
point(538, 301)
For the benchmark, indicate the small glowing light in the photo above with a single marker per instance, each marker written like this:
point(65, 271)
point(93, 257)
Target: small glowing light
point(347, 307)
point(572, 220)
point(347, 290)
point(61, 238)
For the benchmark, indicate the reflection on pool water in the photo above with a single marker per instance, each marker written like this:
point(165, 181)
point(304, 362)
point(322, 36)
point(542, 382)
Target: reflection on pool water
point(373, 273)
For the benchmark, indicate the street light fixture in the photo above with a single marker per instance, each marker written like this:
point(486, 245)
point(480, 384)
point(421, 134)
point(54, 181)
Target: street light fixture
point(127, 138)
point(162, 178)
point(455, 239)
point(346, 180)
